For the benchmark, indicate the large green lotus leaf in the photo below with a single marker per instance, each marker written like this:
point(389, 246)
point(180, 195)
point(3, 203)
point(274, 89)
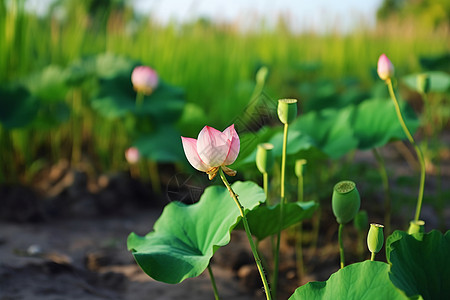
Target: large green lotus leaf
point(375, 122)
point(263, 220)
point(17, 107)
point(117, 98)
point(185, 237)
point(51, 115)
point(437, 62)
point(163, 145)
point(439, 81)
point(364, 280)
point(420, 263)
point(48, 84)
point(330, 129)
point(108, 65)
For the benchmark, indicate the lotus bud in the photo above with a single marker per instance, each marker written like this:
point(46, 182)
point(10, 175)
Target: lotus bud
point(423, 83)
point(416, 227)
point(264, 157)
point(287, 110)
point(345, 201)
point(144, 79)
point(132, 155)
point(361, 221)
point(385, 67)
point(300, 165)
point(375, 238)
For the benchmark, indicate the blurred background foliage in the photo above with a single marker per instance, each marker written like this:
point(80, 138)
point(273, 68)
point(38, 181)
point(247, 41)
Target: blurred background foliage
point(214, 63)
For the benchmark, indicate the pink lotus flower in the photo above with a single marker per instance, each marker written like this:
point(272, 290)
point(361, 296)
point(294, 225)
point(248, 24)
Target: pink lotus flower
point(385, 67)
point(213, 150)
point(132, 155)
point(144, 79)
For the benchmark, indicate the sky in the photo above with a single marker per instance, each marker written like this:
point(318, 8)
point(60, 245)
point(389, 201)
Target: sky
point(320, 15)
point(304, 14)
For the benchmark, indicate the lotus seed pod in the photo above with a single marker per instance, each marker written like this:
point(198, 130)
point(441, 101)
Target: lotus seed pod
point(300, 165)
point(375, 238)
point(264, 157)
point(361, 221)
point(345, 201)
point(287, 110)
point(416, 227)
point(423, 83)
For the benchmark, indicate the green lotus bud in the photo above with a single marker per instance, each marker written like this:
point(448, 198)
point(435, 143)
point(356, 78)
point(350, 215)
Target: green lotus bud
point(345, 201)
point(361, 221)
point(264, 157)
point(416, 227)
point(287, 110)
point(375, 238)
point(300, 165)
point(423, 83)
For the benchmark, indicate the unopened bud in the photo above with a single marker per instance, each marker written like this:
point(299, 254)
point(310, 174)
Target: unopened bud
point(375, 238)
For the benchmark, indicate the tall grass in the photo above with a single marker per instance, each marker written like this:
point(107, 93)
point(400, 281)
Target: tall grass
point(214, 63)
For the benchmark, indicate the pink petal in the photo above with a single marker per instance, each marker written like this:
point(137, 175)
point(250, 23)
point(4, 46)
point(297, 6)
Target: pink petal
point(190, 149)
point(385, 67)
point(212, 146)
point(235, 145)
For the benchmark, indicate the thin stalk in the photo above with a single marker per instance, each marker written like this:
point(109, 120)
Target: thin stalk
point(249, 234)
point(213, 282)
point(386, 188)
point(282, 201)
point(77, 126)
point(266, 186)
point(139, 99)
point(372, 256)
point(341, 245)
point(418, 151)
point(299, 244)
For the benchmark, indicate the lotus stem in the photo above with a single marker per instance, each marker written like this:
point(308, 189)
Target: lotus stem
point(372, 256)
point(416, 148)
point(341, 245)
point(282, 201)
point(213, 282)
point(249, 234)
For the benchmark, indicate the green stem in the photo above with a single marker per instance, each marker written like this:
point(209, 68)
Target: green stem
point(139, 99)
point(266, 186)
point(341, 245)
point(372, 256)
point(213, 282)
point(299, 244)
point(418, 151)
point(282, 201)
point(249, 234)
point(386, 188)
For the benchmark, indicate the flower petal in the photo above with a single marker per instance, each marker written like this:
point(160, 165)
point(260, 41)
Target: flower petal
point(385, 68)
point(212, 146)
point(235, 145)
point(190, 149)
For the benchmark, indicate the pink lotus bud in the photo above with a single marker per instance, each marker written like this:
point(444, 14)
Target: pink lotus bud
point(144, 79)
point(212, 149)
point(385, 67)
point(132, 155)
